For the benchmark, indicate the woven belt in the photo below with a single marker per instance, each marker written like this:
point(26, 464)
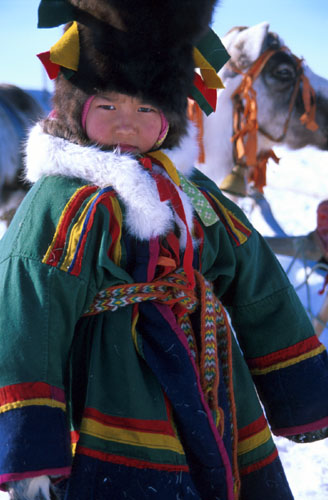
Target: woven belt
point(170, 290)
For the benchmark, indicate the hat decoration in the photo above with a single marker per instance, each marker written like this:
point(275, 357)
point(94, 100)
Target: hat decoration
point(209, 54)
point(63, 55)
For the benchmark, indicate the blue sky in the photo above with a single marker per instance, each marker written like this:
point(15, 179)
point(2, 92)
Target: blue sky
point(303, 24)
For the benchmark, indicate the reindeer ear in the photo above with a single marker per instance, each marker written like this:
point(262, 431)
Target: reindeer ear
point(244, 44)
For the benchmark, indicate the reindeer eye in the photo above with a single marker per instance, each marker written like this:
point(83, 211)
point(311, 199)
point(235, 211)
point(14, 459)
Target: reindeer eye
point(284, 72)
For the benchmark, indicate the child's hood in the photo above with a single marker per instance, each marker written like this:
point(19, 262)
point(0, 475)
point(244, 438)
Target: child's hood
point(46, 155)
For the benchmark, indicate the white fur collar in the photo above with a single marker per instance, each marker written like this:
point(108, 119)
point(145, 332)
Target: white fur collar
point(146, 215)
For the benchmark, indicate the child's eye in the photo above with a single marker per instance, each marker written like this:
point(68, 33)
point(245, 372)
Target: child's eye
point(109, 107)
point(146, 109)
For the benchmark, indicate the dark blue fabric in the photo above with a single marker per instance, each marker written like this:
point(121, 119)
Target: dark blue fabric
point(268, 483)
point(92, 479)
point(137, 258)
point(33, 438)
point(295, 384)
point(174, 371)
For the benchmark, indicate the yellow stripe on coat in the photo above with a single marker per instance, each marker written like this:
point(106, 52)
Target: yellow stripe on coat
point(75, 236)
point(289, 362)
point(253, 442)
point(134, 438)
point(33, 402)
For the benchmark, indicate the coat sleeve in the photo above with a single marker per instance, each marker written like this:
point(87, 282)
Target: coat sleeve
point(288, 364)
point(47, 281)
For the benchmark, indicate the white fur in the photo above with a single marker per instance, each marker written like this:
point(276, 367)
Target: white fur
point(245, 46)
point(146, 215)
point(29, 489)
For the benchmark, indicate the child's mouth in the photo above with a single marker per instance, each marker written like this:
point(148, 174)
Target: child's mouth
point(127, 148)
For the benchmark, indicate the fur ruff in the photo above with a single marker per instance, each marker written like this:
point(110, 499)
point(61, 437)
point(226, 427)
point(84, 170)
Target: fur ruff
point(146, 215)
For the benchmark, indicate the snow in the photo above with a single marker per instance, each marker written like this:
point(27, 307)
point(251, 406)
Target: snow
point(306, 468)
point(295, 188)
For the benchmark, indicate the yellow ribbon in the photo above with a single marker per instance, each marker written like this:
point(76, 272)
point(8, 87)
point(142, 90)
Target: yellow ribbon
point(167, 164)
point(210, 76)
point(66, 52)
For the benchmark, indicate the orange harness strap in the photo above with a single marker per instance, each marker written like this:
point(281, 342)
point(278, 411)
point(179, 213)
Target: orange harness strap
point(245, 124)
point(195, 114)
point(245, 115)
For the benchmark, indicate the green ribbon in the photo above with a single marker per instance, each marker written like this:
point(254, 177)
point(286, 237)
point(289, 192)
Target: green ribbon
point(52, 13)
point(203, 208)
point(211, 47)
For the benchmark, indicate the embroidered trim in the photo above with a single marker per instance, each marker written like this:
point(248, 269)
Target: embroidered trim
point(66, 250)
point(172, 289)
point(235, 228)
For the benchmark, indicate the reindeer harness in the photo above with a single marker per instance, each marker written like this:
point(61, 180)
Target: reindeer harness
point(245, 123)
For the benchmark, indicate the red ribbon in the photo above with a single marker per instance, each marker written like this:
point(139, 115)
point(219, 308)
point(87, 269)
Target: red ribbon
point(167, 191)
point(51, 68)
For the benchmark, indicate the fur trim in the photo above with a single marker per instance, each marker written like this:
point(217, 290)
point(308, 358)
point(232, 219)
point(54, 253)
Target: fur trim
point(146, 215)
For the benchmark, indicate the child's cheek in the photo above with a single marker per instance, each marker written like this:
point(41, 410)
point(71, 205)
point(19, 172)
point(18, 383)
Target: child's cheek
point(99, 131)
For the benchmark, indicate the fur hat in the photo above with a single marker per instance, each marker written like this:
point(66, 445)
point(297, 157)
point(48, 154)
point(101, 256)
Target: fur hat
point(143, 48)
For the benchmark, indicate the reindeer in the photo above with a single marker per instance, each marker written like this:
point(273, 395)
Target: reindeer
point(18, 111)
point(271, 97)
point(277, 81)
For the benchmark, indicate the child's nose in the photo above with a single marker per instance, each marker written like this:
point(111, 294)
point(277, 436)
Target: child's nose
point(125, 122)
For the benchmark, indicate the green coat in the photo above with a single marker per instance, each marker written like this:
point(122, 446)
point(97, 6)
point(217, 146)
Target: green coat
point(119, 388)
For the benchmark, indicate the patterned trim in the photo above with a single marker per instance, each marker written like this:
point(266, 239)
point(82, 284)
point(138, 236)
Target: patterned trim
point(75, 249)
point(56, 247)
point(67, 247)
point(289, 356)
point(170, 290)
point(31, 394)
point(224, 346)
point(199, 202)
point(209, 359)
point(235, 228)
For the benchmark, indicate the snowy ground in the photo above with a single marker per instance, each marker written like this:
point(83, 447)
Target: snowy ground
point(295, 188)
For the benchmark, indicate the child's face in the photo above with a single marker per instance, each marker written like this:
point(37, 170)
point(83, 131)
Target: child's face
point(116, 119)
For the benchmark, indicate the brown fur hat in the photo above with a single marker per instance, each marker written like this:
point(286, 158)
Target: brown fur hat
point(142, 48)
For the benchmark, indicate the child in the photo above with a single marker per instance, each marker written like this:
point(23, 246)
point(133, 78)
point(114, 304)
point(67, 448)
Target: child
point(114, 342)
